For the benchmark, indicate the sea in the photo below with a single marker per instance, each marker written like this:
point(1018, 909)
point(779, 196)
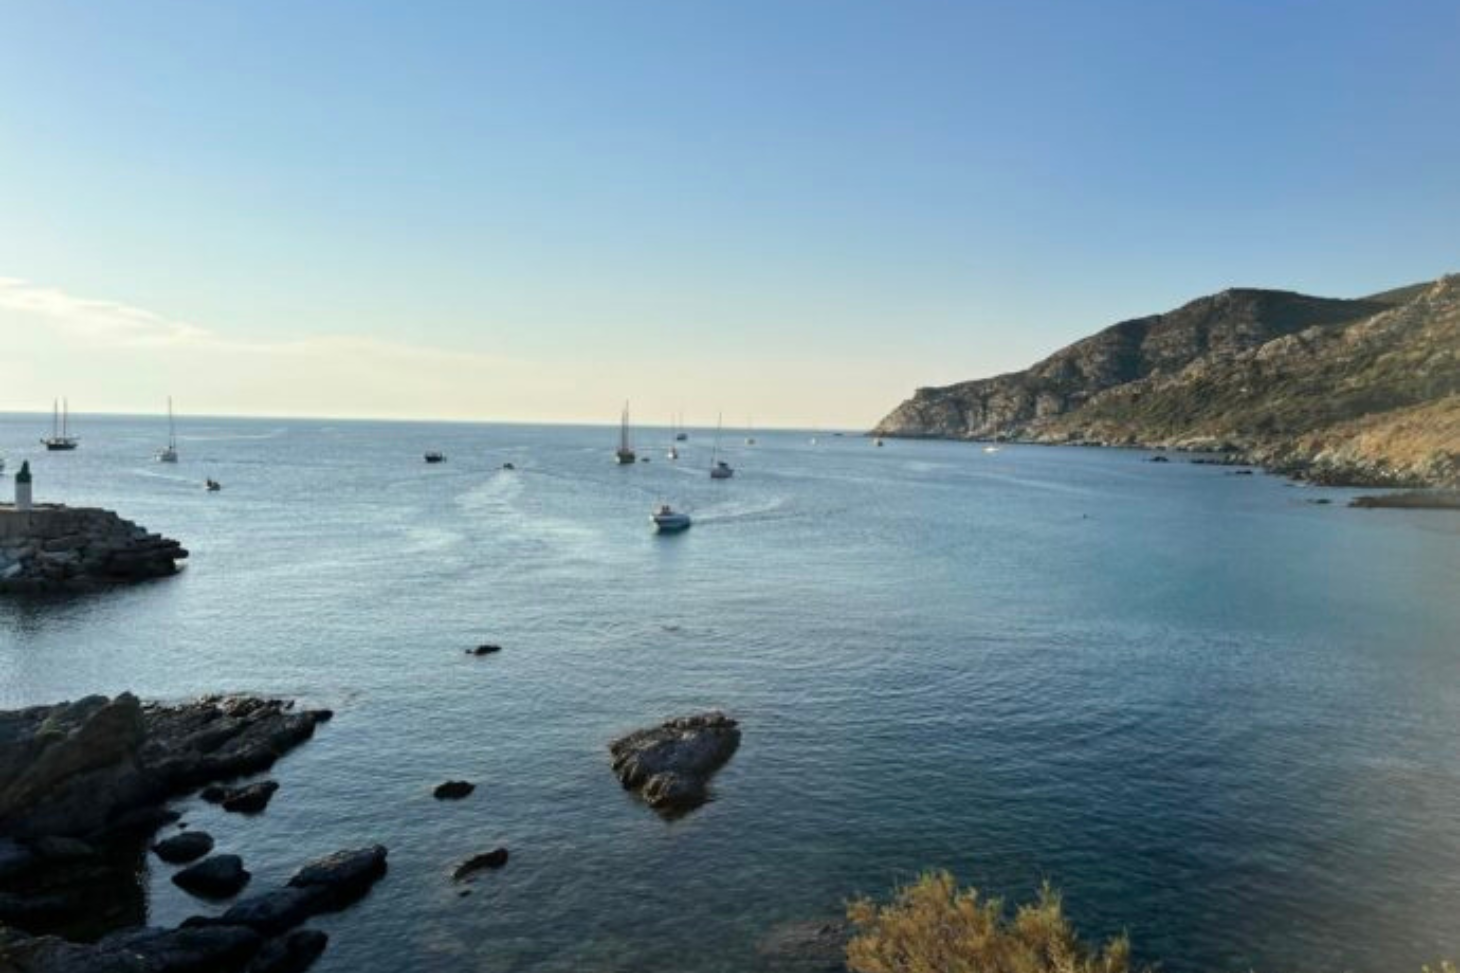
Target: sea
point(1216, 712)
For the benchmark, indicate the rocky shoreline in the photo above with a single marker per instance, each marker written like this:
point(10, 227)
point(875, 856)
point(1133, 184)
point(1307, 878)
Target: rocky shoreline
point(51, 548)
point(86, 785)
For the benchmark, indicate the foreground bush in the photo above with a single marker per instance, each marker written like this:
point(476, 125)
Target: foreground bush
point(933, 926)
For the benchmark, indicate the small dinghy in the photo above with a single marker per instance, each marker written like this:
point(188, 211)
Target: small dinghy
point(212, 485)
point(667, 520)
point(434, 457)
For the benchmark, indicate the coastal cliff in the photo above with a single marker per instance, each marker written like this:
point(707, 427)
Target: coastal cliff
point(57, 548)
point(1362, 391)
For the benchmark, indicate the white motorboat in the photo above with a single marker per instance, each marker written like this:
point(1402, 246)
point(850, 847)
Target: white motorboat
point(719, 469)
point(667, 520)
point(168, 454)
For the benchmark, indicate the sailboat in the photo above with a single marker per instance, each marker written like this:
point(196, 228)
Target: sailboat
point(681, 435)
point(60, 439)
point(625, 454)
point(750, 432)
point(719, 469)
point(169, 454)
point(673, 452)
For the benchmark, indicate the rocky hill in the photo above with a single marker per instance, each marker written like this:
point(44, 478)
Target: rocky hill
point(1359, 391)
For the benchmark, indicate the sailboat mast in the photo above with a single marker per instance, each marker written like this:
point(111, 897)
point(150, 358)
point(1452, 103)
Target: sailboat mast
point(171, 429)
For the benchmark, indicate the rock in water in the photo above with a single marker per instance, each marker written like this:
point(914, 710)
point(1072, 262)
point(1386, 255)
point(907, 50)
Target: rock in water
point(495, 858)
point(453, 790)
point(486, 648)
point(250, 799)
point(292, 953)
point(670, 765)
point(184, 847)
point(218, 877)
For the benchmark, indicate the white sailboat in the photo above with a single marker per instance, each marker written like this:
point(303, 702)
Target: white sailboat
point(719, 469)
point(625, 454)
point(673, 452)
point(60, 439)
point(749, 432)
point(169, 453)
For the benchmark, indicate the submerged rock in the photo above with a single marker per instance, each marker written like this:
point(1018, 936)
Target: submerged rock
point(670, 765)
point(486, 648)
point(453, 790)
point(291, 953)
point(184, 847)
point(493, 859)
point(806, 947)
point(217, 877)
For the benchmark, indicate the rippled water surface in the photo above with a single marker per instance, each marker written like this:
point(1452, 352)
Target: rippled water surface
point(1216, 715)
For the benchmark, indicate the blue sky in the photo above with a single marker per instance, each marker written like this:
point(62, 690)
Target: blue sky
point(794, 210)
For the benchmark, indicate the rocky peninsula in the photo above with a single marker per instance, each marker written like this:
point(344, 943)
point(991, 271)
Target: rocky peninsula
point(52, 548)
point(85, 787)
point(1357, 392)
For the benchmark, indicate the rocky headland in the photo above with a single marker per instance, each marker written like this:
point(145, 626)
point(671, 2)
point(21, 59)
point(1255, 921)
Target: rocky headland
point(83, 788)
point(670, 765)
point(50, 549)
point(1360, 392)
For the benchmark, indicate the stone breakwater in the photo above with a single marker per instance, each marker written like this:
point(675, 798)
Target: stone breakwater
point(55, 548)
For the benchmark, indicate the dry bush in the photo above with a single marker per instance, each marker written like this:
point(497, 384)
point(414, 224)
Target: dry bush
point(933, 926)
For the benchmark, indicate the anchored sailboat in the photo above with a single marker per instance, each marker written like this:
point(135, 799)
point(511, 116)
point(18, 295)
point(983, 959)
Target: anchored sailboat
point(625, 454)
point(673, 452)
point(719, 469)
point(169, 454)
point(60, 439)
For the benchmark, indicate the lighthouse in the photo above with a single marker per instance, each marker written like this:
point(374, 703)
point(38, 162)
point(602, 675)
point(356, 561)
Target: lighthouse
point(22, 487)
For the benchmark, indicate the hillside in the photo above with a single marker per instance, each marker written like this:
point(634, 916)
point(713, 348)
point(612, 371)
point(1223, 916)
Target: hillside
point(1364, 391)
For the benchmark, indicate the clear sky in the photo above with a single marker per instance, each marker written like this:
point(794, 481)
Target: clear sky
point(796, 210)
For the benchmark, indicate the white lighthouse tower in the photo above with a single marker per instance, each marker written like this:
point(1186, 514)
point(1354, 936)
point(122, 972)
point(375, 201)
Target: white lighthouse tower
point(22, 487)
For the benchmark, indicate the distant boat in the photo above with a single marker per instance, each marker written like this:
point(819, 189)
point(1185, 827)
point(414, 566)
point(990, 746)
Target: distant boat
point(508, 466)
point(434, 457)
point(667, 520)
point(680, 435)
point(750, 433)
point(625, 454)
point(673, 452)
point(60, 439)
point(2, 464)
point(169, 453)
point(877, 442)
point(719, 469)
point(991, 449)
point(212, 485)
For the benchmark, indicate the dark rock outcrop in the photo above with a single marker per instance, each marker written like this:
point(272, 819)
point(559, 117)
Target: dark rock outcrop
point(290, 953)
point(486, 648)
point(453, 790)
point(215, 877)
point(1417, 500)
point(493, 859)
point(670, 765)
point(251, 798)
point(56, 548)
point(185, 847)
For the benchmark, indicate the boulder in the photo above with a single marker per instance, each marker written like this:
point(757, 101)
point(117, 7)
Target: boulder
point(670, 765)
point(291, 953)
point(185, 847)
point(250, 799)
point(486, 648)
point(453, 790)
point(215, 877)
point(493, 859)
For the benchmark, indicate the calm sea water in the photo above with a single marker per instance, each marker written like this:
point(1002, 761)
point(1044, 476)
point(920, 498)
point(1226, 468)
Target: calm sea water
point(1213, 713)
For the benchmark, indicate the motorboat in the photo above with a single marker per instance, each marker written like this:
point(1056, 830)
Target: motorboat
point(625, 454)
point(667, 520)
point(721, 470)
point(168, 454)
point(60, 439)
point(212, 485)
point(991, 449)
point(877, 442)
point(434, 457)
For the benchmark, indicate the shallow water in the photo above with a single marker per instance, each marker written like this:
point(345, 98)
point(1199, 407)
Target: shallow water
point(1213, 713)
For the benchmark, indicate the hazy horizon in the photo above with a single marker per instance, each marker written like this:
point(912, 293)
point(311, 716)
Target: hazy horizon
point(792, 214)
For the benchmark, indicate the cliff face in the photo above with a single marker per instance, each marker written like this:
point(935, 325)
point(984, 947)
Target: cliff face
point(1348, 391)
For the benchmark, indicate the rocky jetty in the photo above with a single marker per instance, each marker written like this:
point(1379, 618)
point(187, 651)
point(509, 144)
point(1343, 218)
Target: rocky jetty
point(1362, 392)
point(670, 765)
point(1416, 500)
point(49, 549)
